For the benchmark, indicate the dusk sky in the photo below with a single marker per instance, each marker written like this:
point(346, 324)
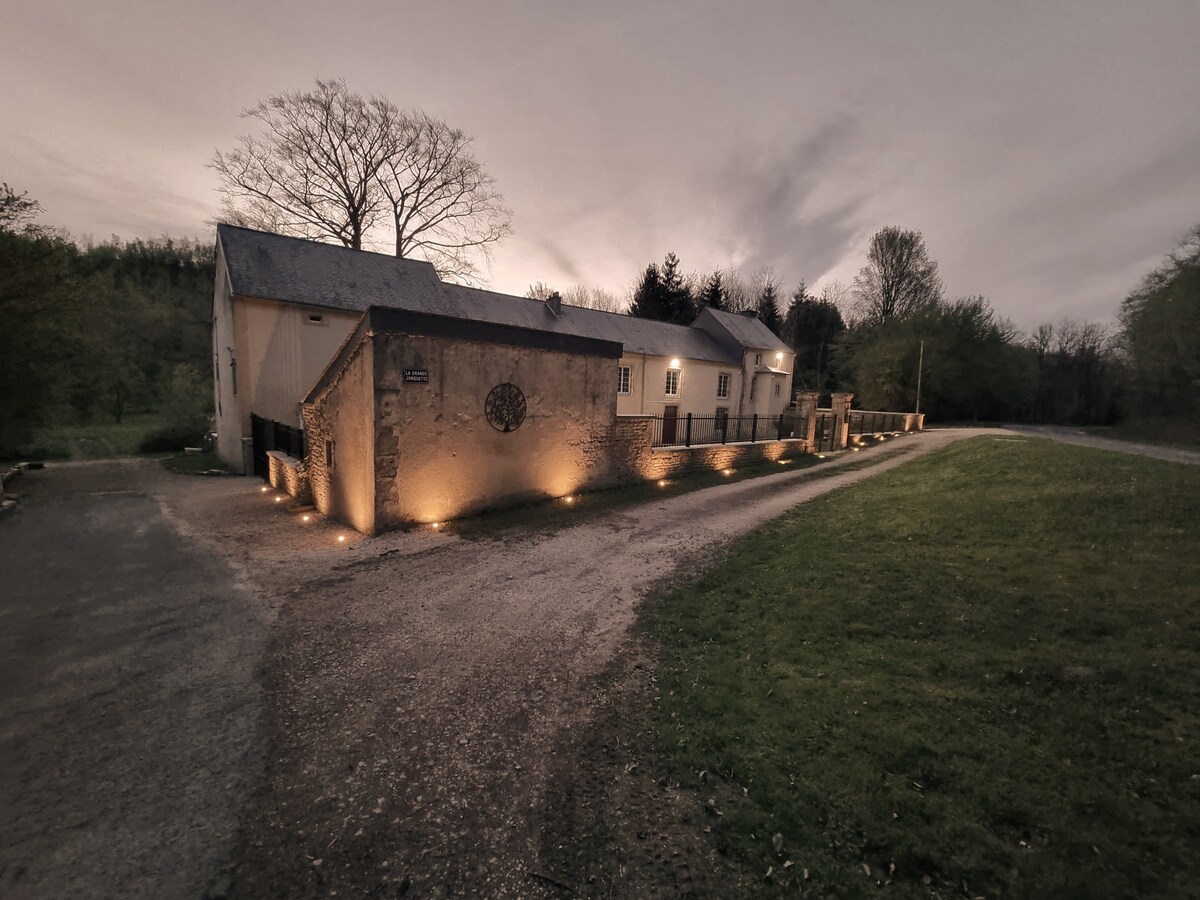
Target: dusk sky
point(1050, 152)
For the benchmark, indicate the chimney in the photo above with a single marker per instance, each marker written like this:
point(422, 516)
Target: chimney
point(554, 304)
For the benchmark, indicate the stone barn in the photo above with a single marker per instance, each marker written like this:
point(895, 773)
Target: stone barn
point(423, 418)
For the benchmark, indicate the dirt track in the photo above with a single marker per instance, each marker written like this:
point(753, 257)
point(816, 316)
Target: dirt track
point(444, 717)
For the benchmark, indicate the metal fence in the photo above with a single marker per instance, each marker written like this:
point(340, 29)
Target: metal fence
point(267, 434)
point(691, 430)
point(868, 422)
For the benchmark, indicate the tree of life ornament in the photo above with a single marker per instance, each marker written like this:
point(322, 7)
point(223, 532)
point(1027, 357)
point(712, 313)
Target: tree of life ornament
point(505, 407)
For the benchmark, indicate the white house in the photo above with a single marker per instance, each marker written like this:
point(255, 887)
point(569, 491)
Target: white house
point(283, 308)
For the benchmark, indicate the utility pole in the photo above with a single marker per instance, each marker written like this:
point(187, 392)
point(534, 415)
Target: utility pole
point(920, 368)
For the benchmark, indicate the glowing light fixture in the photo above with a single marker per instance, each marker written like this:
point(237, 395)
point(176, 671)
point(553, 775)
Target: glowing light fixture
point(437, 525)
point(305, 518)
point(278, 499)
point(820, 456)
point(675, 363)
point(264, 488)
point(727, 471)
point(779, 356)
point(341, 539)
point(568, 499)
point(663, 483)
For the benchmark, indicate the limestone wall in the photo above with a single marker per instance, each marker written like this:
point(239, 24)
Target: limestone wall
point(286, 473)
point(438, 457)
point(635, 460)
point(339, 425)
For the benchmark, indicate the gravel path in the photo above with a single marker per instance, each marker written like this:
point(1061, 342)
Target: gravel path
point(427, 700)
point(1078, 436)
point(424, 694)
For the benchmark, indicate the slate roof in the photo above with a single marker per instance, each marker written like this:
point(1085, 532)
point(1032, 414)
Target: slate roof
point(293, 270)
point(749, 331)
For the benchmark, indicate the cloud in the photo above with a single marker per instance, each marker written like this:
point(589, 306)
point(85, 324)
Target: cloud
point(794, 206)
point(566, 264)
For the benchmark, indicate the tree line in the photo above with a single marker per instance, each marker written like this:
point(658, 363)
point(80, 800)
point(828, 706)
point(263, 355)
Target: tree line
point(94, 332)
point(895, 332)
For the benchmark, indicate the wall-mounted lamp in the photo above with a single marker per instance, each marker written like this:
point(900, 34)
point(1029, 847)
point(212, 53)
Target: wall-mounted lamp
point(675, 363)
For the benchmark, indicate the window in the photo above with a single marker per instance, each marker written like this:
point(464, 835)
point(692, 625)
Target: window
point(672, 387)
point(777, 387)
point(315, 319)
point(723, 386)
point(329, 455)
point(622, 379)
point(758, 359)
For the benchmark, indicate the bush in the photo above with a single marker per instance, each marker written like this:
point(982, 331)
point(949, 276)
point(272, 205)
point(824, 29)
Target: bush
point(171, 439)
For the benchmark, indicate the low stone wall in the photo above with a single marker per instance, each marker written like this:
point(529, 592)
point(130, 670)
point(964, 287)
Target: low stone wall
point(286, 473)
point(635, 460)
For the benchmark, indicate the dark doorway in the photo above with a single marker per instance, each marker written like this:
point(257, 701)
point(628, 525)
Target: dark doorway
point(670, 420)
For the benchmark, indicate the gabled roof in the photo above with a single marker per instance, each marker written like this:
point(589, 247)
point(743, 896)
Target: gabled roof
point(740, 329)
point(293, 270)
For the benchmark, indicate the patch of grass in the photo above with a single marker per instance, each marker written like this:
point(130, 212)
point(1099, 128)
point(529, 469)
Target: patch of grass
point(981, 668)
point(193, 463)
point(97, 440)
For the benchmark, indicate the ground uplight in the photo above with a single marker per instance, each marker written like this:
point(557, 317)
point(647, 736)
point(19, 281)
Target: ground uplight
point(341, 539)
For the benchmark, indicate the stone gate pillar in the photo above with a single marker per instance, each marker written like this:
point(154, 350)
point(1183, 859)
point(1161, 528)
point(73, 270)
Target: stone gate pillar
point(840, 404)
point(806, 411)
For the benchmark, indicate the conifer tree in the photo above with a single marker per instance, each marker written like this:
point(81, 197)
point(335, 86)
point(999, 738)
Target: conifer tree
point(713, 296)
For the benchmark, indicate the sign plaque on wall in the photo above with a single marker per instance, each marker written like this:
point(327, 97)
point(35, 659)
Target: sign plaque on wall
point(416, 376)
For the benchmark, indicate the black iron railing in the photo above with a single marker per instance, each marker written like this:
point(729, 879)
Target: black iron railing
point(690, 430)
point(863, 421)
point(267, 435)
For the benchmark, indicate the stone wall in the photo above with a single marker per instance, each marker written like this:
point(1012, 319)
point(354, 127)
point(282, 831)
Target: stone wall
point(438, 457)
point(635, 460)
point(341, 418)
point(286, 473)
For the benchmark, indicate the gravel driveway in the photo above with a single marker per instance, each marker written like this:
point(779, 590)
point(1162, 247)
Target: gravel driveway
point(1083, 438)
point(426, 699)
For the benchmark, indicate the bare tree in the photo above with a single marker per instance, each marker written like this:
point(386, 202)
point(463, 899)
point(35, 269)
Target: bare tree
point(314, 170)
point(333, 165)
point(594, 298)
point(17, 211)
point(539, 290)
point(582, 296)
point(899, 277)
point(443, 205)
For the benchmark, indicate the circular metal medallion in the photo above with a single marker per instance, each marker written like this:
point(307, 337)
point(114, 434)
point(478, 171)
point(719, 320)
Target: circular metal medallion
point(505, 407)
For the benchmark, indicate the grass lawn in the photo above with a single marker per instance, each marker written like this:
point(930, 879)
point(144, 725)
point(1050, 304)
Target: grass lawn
point(193, 463)
point(981, 668)
point(98, 440)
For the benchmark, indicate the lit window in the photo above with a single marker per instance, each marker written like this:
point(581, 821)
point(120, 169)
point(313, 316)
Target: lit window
point(672, 383)
point(723, 386)
point(622, 379)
